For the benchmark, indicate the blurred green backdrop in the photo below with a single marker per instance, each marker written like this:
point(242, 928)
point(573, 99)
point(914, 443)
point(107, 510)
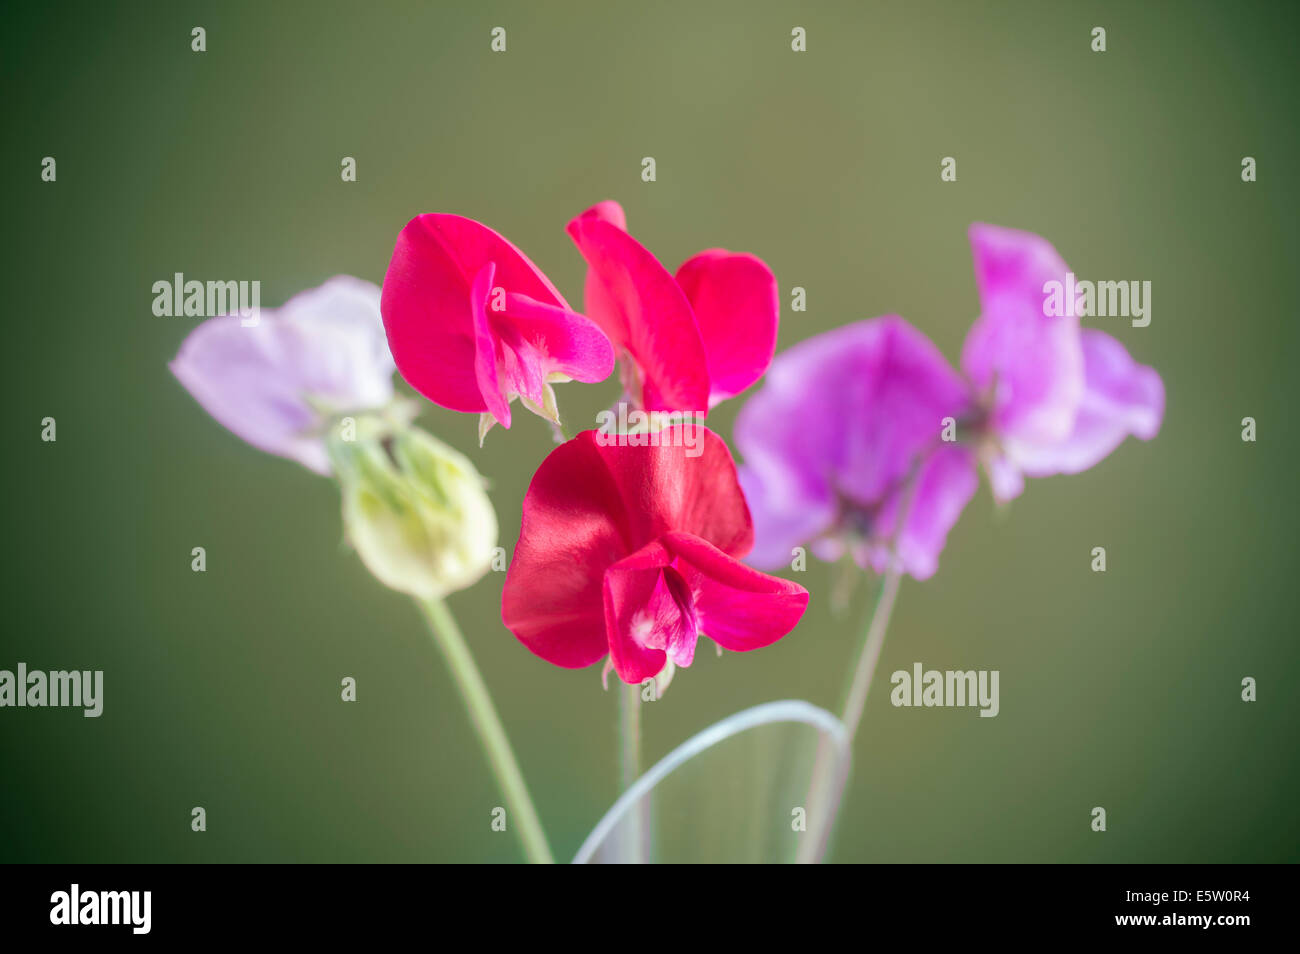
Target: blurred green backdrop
point(222, 689)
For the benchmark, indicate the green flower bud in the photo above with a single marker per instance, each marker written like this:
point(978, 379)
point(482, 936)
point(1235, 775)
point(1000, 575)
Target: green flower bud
point(414, 508)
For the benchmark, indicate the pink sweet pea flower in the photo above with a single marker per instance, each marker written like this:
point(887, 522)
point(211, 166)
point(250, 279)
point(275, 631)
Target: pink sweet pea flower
point(279, 383)
point(844, 439)
point(634, 552)
point(694, 339)
point(1053, 399)
point(472, 323)
point(845, 436)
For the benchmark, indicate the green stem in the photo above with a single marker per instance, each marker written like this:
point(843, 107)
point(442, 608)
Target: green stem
point(856, 700)
point(491, 734)
point(629, 733)
point(821, 806)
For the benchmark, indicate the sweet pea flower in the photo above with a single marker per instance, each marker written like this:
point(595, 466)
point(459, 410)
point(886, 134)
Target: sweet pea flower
point(1053, 399)
point(693, 339)
point(278, 384)
point(843, 449)
point(864, 438)
point(633, 552)
point(473, 324)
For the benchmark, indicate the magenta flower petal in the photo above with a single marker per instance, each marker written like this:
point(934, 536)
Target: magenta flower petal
point(1121, 398)
point(735, 300)
point(1031, 361)
point(564, 342)
point(736, 606)
point(639, 305)
point(275, 384)
point(487, 354)
point(450, 299)
point(659, 600)
point(648, 616)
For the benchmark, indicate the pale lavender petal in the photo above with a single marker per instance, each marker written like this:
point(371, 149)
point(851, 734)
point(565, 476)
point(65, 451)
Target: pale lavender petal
point(1030, 360)
point(1122, 397)
point(273, 383)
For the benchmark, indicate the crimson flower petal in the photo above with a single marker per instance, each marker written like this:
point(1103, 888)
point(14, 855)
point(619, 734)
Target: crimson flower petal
point(639, 305)
point(633, 550)
point(471, 322)
point(562, 340)
point(487, 361)
point(644, 618)
point(735, 300)
point(736, 606)
point(573, 527)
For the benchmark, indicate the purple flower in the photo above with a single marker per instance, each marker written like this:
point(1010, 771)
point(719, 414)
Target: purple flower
point(834, 443)
point(1052, 399)
point(278, 384)
point(865, 439)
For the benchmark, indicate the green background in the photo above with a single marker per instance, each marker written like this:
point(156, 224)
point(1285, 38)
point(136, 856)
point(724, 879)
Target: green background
point(222, 689)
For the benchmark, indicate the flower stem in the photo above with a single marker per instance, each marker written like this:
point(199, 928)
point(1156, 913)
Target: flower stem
point(491, 734)
point(636, 826)
point(874, 641)
point(822, 801)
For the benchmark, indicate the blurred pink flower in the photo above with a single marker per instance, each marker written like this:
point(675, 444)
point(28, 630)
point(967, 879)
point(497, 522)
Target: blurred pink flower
point(1054, 399)
point(848, 431)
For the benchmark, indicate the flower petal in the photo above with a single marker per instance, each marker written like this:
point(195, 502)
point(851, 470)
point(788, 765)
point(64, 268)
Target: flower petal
point(737, 607)
point(945, 485)
point(426, 302)
point(634, 300)
point(687, 482)
point(487, 357)
point(592, 504)
point(573, 529)
point(1122, 397)
point(1031, 360)
point(639, 611)
point(735, 300)
point(783, 517)
point(561, 340)
point(839, 421)
point(270, 383)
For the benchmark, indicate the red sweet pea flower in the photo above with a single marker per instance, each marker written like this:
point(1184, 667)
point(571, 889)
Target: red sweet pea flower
point(696, 338)
point(635, 552)
point(472, 323)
